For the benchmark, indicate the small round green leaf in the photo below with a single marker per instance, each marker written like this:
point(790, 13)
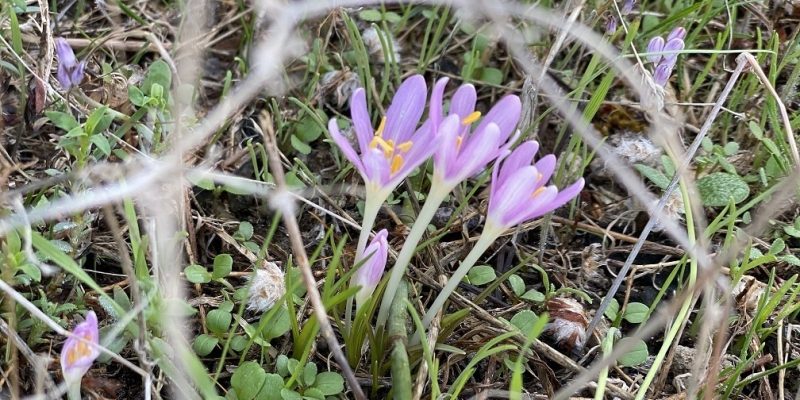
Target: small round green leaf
point(524, 321)
point(329, 383)
point(517, 284)
point(197, 274)
point(218, 321)
point(204, 344)
point(636, 313)
point(223, 265)
point(719, 188)
point(481, 275)
point(637, 355)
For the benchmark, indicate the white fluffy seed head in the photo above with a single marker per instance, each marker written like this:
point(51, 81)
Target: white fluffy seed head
point(372, 41)
point(267, 286)
point(568, 322)
point(635, 148)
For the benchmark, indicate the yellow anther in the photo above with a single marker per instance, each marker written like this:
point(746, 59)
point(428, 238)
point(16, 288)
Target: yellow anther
point(397, 163)
point(384, 145)
point(538, 191)
point(405, 146)
point(459, 141)
point(471, 118)
point(382, 125)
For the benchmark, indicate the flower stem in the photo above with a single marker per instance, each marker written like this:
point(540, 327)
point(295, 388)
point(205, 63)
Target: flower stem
point(685, 308)
point(490, 233)
point(74, 389)
point(435, 197)
point(372, 205)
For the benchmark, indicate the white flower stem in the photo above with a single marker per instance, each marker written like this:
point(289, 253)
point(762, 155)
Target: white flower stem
point(74, 389)
point(435, 197)
point(490, 233)
point(372, 205)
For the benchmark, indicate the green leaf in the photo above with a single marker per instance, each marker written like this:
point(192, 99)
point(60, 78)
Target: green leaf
point(637, 354)
point(309, 374)
point(223, 265)
point(313, 393)
point(197, 274)
point(612, 310)
point(731, 148)
point(218, 321)
point(329, 383)
point(238, 343)
point(792, 231)
point(62, 120)
point(101, 143)
point(299, 145)
point(279, 325)
point(636, 313)
point(247, 380)
point(282, 365)
point(122, 299)
point(136, 96)
point(157, 74)
point(517, 284)
point(308, 129)
point(370, 15)
point(273, 383)
point(245, 230)
point(481, 275)
point(99, 120)
point(524, 321)
point(534, 296)
point(717, 189)
point(777, 246)
point(204, 344)
point(654, 175)
point(492, 76)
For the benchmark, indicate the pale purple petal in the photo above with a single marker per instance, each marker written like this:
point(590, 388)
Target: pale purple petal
point(448, 148)
point(512, 194)
point(63, 76)
point(479, 150)
point(369, 274)
point(437, 101)
point(674, 45)
point(77, 357)
point(542, 199)
point(406, 109)
point(426, 142)
point(661, 74)
point(627, 7)
point(611, 25)
point(505, 114)
point(656, 45)
point(64, 53)
point(77, 74)
point(463, 102)
point(520, 157)
point(361, 120)
point(677, 33)
point(546, 166)
point(562, 198)
point(344, 146)
point(376, 167)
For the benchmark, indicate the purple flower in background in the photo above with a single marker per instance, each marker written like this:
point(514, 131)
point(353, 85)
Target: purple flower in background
point(664, 63)
point(78, 355)
point(387, 155)
point(518, 193)
point(70, 71)
point(627, 7)
point(464, 151)
point(611, 25)
point(370, 272)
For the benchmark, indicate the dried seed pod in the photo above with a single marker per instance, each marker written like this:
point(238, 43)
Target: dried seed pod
point(267, 286)
point(568, 323)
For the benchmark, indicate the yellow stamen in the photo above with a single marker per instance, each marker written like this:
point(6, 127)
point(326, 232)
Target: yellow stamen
point(459, 141)
point(405, 146)
point(471, 118)
point(382, 125)
point(538, 191)
point(397, 163)
point(80, 350)
point(384, 145)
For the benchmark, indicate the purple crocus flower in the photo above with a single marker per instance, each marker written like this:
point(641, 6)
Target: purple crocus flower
point(611, 25)
point(463, 151)
point(370, 272)
point(388, 154)
point(664, 63)
point(78, 355)
point(70, 71)
point(518, 193)
point(627, 7)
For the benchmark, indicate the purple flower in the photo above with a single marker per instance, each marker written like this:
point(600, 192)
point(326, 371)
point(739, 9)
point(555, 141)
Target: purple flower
point(627, 7)
point(611, 25)
point(464, 151)
point(70, 71)
point(663, 63)
point(518, 193)
point(370, 272)
point(78, 355)
point(387, 155)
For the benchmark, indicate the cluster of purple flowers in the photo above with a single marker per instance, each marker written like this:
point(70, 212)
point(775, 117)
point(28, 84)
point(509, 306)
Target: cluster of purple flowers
point(664, 63)
point(461, 143)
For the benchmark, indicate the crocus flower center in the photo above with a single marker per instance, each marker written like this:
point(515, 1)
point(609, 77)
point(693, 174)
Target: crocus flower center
point(81, 350)
point(537, 192)
point(391, 151)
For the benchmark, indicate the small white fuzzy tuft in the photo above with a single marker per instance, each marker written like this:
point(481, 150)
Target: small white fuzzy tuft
point(372, 41)
point(635, 148)
point(673, 209)
point(267, 286)
point(568, 323)
point(338, 86)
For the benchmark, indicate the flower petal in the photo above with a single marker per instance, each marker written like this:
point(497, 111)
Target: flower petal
point(656, 45)
point(479, 150)
point(369, 274)
point(448, 147)
point(514, 193)
point(437, 102)
point(505, 114)
point(677, 33)
point(77, 73)
point(661, 74)
point(64, 53)
point(344, 146)
point(546, 166)
point(406, 109)
point(672, 45)
point(361, 121)
point(63, 76)
point(426, 142)
point(376, 168)
point(562, 198)
point(520, 157)
point(463, 102)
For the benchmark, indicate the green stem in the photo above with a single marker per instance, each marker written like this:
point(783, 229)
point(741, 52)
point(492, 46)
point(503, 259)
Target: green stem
point(685, 308)
point(435, 197)
point(401, 369)
point(372, 205)
point(490, 233)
